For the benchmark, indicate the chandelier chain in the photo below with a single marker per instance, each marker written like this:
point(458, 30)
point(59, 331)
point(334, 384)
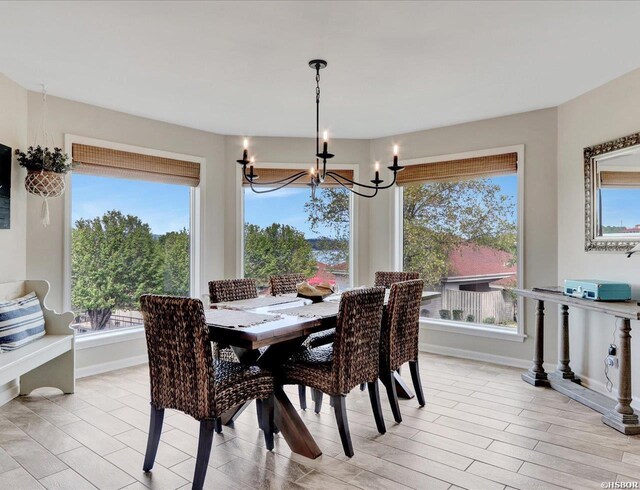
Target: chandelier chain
point(317, 121)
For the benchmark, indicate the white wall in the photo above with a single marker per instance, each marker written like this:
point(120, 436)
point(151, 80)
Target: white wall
point(608, 112)
point(13, 133)
point(537, 130)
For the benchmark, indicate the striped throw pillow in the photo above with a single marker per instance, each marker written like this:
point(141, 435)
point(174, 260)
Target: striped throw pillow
point(21, 322)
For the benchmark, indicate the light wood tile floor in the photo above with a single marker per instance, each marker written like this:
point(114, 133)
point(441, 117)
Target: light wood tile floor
point(482, 428)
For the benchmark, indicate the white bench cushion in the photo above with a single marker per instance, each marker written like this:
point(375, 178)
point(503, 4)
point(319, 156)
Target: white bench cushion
point(16, 363)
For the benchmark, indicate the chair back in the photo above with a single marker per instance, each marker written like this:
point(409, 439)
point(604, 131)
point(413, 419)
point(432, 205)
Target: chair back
point(180, 360)
point(232, 290)
point(401, 324)
point(285, 283)
point(356, 346)
point(387, 278)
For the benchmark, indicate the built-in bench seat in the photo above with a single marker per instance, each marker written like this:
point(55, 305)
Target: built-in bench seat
point(46, 362)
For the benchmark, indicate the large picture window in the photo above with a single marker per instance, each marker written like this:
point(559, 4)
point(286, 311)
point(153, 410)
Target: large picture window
point(460, 231)
point(130, 235)
point(287, 231)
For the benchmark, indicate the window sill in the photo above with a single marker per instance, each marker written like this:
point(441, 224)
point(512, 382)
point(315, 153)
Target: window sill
point(465, 328)
point(98, 339)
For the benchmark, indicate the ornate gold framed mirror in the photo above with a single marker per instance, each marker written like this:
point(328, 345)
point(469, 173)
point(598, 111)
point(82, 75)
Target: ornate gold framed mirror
point(612, 195)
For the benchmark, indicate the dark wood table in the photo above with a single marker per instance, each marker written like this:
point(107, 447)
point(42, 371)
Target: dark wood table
point(282, 338)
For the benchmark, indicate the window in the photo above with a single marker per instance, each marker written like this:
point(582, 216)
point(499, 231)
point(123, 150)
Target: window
point(287, 231)
point(617, 193)
point(130, 235)
point(460, 231)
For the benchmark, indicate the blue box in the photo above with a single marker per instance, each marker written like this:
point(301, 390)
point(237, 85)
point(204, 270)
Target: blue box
point(597, 290)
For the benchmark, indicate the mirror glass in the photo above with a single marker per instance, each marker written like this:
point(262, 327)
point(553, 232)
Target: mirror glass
point(617, 194)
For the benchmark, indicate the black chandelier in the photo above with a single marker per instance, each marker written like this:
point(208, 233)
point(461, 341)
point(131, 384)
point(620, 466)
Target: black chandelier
point(317, 176)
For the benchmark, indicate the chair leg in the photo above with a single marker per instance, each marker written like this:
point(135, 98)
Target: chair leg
point(155, 429)
point(317, 398)
point(363, 386)
point(302, 395)
point(340, 409)
point(374, 396)
point(390, 384)
point(417, 384)
point(219, 425)
point(204, 451)
point(268, 424)
point(259, 413)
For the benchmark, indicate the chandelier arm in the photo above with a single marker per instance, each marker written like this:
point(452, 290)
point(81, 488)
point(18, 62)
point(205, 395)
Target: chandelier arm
point(291, 178)
point(335, 176)
point(350, 189)
point(266, 191)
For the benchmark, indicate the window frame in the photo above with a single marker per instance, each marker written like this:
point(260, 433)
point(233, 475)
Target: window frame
point(353, 207)
point(196, 224)
point(397, 236)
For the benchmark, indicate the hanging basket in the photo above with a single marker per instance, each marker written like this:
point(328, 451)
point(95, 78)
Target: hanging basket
point(45, 184)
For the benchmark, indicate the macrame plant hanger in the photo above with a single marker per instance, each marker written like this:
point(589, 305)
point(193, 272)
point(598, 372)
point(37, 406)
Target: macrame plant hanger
point(43, 183)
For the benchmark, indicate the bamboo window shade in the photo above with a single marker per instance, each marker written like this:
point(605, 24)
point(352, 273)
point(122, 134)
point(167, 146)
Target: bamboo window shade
point(95, 160)
point(464, 169)
point(619, 179)
point(273, 174)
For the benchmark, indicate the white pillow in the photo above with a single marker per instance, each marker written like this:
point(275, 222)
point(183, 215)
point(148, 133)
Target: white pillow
point(21, 322)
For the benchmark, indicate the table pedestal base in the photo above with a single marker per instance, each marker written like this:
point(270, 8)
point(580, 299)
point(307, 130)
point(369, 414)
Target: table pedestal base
point(402, 389)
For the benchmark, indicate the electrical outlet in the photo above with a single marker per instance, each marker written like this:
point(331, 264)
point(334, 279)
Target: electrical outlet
point(612, 361)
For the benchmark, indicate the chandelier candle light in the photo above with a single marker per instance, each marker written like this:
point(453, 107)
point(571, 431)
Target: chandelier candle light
point(318, 176)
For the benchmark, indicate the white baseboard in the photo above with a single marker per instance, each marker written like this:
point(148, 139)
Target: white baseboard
point(111, 366)
point(474, 355)
point(9, 391)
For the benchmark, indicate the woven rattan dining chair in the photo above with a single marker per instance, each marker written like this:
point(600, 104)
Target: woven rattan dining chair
point(387, 278)
point(230, 290)
point(352, 359)
point(185, 376)
point(285, 283)
point(399, 339)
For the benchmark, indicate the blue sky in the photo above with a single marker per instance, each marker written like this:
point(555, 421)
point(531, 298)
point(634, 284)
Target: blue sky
point(621, 207)
point(283, 206)
point(164, 207)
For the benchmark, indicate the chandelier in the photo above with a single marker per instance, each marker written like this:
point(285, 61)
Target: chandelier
point(319, 174)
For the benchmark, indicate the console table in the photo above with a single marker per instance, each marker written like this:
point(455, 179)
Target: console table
point(618, 415)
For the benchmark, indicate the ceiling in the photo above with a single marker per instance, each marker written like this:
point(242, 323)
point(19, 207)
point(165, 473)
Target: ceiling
point(241, 67)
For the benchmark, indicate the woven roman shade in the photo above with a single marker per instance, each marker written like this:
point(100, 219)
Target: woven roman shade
point(95, 160)
point(617, 179)
point(465, 169)
point(272, 174)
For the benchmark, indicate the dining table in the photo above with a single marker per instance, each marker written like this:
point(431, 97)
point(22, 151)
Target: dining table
point(267, 331)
